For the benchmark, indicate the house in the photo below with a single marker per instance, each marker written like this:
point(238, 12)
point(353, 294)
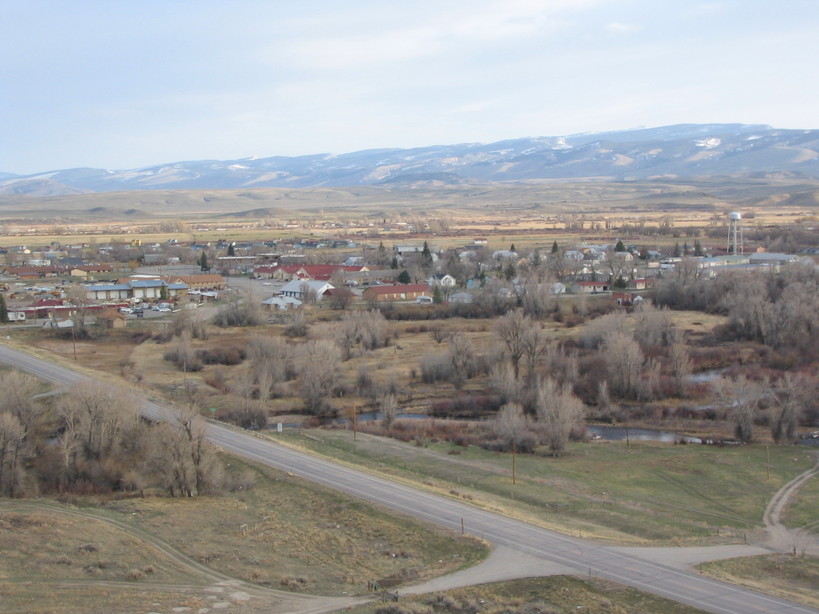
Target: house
point(590, 287)
point(109, 292)
point(281, 303)
point(151, 289)
point(638, 284)
point(204, 281)
point(772, 258)
point(441, 279)
point(281, 273)
point(623, 299)
point(92, 269)
point(110, 318)
point(400, 292)
point(303, 289)
point(140, 289)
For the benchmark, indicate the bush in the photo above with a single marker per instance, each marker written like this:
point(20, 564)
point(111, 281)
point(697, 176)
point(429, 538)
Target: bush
point(230, 355)
point(467, 406)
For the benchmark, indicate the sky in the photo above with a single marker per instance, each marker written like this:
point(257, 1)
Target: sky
point(120, 85)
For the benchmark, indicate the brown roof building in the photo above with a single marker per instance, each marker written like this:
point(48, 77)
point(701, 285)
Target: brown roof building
point(402, 292)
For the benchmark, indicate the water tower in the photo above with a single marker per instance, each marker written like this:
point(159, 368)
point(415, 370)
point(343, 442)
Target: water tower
point(735, 233)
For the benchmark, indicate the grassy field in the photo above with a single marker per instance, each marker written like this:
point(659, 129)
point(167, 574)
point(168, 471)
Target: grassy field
point(556, 595)
point(642, 493)
point(790, 577)
point(281, 533)
point(282, 537)
point(802, 512)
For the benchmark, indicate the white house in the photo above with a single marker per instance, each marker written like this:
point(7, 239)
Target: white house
point(281, 303)
point(441, 279)
point(302, 288)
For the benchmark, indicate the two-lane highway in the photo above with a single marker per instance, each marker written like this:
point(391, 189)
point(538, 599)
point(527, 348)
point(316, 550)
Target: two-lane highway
point(584, 556)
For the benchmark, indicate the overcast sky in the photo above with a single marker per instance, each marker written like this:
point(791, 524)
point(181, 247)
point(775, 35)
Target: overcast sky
point(133, 83)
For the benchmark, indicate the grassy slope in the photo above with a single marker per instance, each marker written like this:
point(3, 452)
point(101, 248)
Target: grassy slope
point(640, 493)
point(790, 577)
point(557, 595)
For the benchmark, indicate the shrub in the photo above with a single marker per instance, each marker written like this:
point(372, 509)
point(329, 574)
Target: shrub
point(230, 355)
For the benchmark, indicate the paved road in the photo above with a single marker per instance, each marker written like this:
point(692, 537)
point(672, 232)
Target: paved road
point(585, 557)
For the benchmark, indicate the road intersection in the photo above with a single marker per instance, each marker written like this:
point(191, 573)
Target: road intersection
point(542, 552)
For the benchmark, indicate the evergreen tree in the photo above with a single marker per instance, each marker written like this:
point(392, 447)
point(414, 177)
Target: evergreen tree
point(619, 247)
point(437, 297)
point(394, 263)
point(536, 258)
point(231, 250)
point(509, 271)
point(426, 253)
point(203, 262)
point(512, 248)
point(697, 248)
point(404, 277)
point(677, 251)
point(163, 292)
point(555, 248)
point(4, 312)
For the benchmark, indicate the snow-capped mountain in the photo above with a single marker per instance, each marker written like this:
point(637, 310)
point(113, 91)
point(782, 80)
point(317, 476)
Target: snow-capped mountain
point(691, 150)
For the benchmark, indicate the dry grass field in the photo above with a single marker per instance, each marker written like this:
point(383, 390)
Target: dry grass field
point(529, 215)
point(556, 595)
point(783, 575)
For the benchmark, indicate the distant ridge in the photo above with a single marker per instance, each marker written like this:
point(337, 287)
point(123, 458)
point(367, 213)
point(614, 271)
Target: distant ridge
point(672, 152)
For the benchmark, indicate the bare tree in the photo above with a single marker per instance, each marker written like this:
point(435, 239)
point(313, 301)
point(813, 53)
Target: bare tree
point(462, 357)
point(319, 365)
point(535, 345)
point(792, 395)
point(558, 410)
point(240, 310)
point(341, 297)
point(741, 398)
point(12, 452)
point(243, 384)
point(366, 330)
point(534, 294)
point(594, 332)
point(207, 475)
point(389, 410)
point(680, 360)
point(77, 295)
point(512, 329)
point(296, 324)
point(171, 461)
point(512, 426)
point(652, 326)
point(271, 359)
point(502, 378)
point(188, 320)
point(95, 415)
point(603, 397)
point(624, 363)
point(18, 399)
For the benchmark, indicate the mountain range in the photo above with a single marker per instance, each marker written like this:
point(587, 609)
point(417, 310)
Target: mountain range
point(669, 152)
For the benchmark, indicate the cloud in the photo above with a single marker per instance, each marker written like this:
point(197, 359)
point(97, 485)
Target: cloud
point(623, 28)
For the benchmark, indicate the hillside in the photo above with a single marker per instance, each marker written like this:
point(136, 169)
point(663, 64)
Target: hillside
point(668, 153)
